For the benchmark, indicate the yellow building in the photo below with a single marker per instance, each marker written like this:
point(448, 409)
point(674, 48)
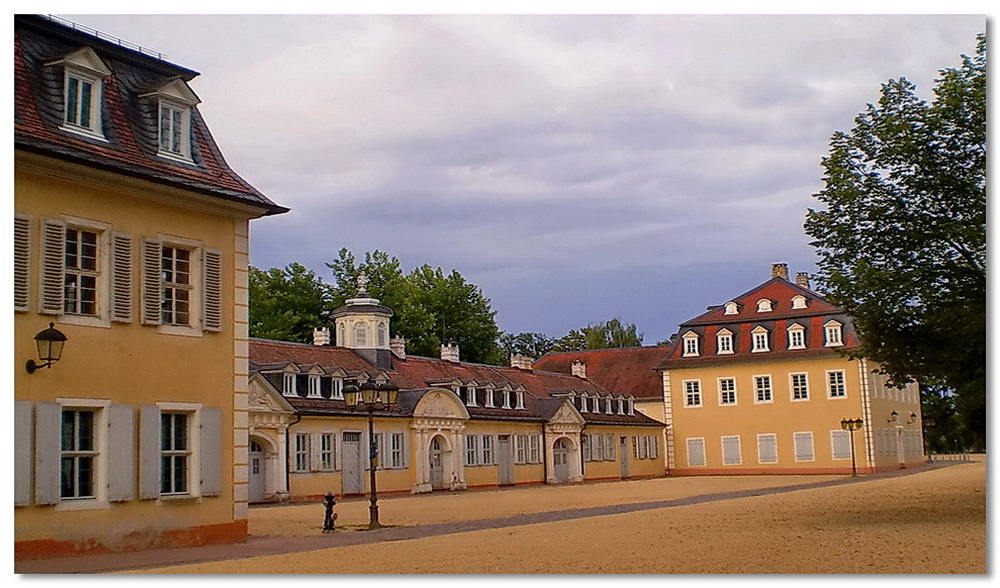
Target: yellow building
point(131, 240)
point(756, 385)
point(456, 425)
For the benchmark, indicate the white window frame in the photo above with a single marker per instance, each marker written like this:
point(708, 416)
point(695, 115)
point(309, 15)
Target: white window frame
point(804, 440)
point(315, 386)
point(690, 343)
point(192, 452)
point(100, 408)
point(765, 305)
point(724, 342)
point(336, 388)
point(300, 453)
point(205, 291)
point(761, 340)
point(535, 448)
point(833, 334)
point(796, 337)
point(797, 392)
point(726, 441)
point(696, 442)
point(799, 301)
point(327, 452)
point(486, 450)
point(288, 384)
point(519, 397)
point(725, 390)
point(692, 392)
point(758, 389)
point(471, 450)
point(520, 449)
point(763, 440)
point(836, 390)
point(179, 147)
point(95, 126)
point(731, 308)
point(397, 450)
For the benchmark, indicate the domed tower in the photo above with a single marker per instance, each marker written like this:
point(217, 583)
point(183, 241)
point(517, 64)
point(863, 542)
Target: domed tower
point(362, 324)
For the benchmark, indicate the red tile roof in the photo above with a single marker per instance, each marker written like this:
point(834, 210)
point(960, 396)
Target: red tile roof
point(621, 371)
point(129, 122)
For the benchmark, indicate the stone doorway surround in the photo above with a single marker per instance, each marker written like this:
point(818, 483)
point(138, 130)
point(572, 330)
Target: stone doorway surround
point(439, 415)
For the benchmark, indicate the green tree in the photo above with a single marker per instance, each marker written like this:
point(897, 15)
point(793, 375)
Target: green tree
point(533, 345)
point(286, 304)
point(902, 238)
point(608, 335)
point(430, 307)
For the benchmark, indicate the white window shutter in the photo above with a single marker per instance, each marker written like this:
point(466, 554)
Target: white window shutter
point(152, 276)
point(121, 453)
point(52, 264)
point(149, 452)
point(212, 281)
point(22, 256)
point(48, 425)
point(22, 452)
point(121, 278)
point(211, 452)
point(315, 447)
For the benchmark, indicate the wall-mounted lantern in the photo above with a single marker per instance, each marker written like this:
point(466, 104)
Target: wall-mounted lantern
point(50, 343)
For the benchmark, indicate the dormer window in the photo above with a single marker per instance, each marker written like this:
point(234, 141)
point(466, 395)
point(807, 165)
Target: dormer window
point(760, 340)
point(583, 403)
point(175, 101)
point(314, 386)
point(621, 405)
point(690, 344)
point(288, 387)
point(764, 305)
point(519, 398)
point(724, 342)
point(631, 406)
point(834, 334)
point(796, 337)
point(798, 301)
point(731, 308)
point(83, 89)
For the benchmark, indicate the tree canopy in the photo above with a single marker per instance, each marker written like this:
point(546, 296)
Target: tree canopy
point(607, 335)
point(902, 237)
point(431, 307)
point(286, 304)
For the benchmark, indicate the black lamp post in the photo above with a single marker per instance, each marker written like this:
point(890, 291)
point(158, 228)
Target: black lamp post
point(371, 396)
point(50, 343)
point(852, 425)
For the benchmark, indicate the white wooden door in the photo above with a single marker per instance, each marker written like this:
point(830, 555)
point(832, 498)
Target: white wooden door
point(352, 474)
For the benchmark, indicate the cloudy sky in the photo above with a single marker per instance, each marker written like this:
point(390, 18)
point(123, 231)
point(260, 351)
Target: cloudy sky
point(577, 168)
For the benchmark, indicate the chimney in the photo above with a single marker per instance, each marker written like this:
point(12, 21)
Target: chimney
point(520, 361)
point(779, 270)
point(398, 347)
point(579, 369)
point(321, 336)
point(449, 352)
point(802, 280)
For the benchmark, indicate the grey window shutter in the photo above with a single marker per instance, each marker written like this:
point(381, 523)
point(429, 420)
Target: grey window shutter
point(211, 452)
point(121, 278)
point(149, 452)
point(22, 452)
point(121, 453)
point(152, 275)
point(53, 252)
point(48, 424)
point(212, 299)
point(406, 449)
point(22, 256)
point(315, 445)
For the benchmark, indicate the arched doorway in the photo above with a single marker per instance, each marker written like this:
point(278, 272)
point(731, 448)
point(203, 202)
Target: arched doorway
point(436, 457)
point(257, 490)
point(560, 460)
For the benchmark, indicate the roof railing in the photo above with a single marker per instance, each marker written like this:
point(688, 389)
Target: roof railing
point(106, 37)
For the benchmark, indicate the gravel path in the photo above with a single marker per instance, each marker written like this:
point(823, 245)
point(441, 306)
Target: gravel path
point(925, 520)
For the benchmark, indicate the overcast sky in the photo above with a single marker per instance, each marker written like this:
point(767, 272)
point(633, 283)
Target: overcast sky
point(576, 168)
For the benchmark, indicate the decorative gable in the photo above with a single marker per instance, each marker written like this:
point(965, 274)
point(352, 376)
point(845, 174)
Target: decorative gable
point(567, 414)
point(264, 398)
point(439, 403)
point(84, 59)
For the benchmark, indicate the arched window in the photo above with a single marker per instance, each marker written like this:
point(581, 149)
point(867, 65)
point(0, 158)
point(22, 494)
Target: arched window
point(798, 301)
point(764, 305)
point(381, 334)
point(360, 335)
point(731, 308)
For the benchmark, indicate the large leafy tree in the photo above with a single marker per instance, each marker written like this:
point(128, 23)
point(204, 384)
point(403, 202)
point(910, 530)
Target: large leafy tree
point(285, 304)
point(431, 307)
point(608, 335)
point(533, 345)
point(902, 237)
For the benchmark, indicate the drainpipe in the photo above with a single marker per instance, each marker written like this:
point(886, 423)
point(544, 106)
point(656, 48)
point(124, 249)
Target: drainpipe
point(288, 470)
point(583, 474)
point(545, 456)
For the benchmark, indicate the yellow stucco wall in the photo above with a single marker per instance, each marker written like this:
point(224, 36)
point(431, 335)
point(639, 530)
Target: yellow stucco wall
point(131, 363)
point(783, 416)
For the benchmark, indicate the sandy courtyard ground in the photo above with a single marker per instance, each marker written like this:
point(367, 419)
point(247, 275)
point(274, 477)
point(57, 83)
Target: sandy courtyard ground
point(933, 521)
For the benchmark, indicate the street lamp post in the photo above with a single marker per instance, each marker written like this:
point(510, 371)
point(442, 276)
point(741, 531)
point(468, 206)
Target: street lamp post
point(371, 397)
point(852, 425)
